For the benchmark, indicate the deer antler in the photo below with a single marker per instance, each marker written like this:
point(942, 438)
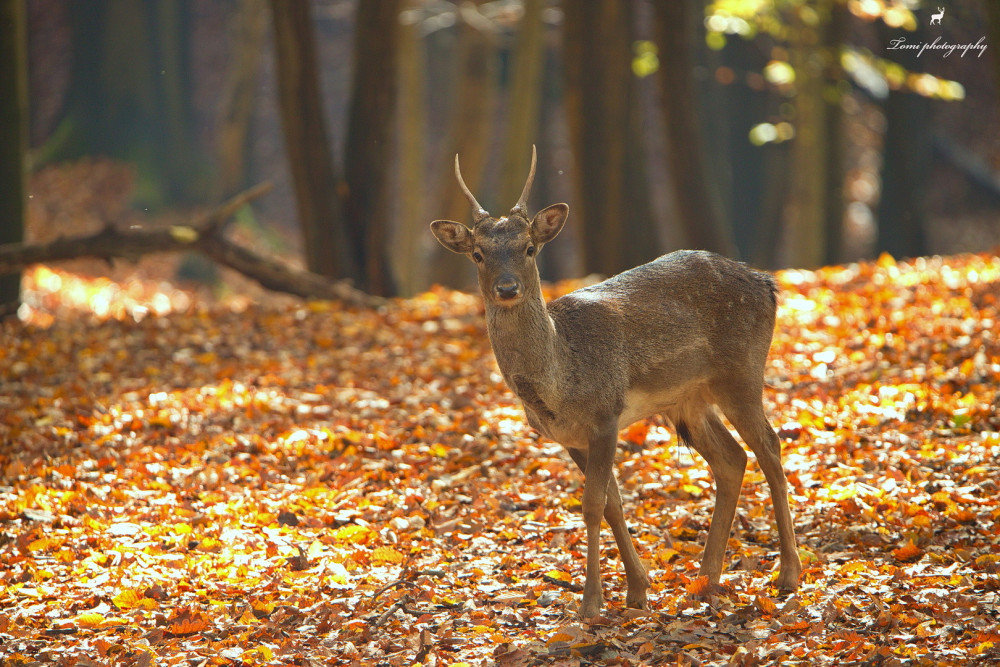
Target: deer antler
point(478, 212)
point(521, 207)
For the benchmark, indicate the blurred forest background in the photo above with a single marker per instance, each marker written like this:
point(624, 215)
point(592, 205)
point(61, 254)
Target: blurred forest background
point(784, 133)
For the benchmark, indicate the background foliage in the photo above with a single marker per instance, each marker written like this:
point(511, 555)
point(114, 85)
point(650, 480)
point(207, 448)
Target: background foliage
point(782, 132)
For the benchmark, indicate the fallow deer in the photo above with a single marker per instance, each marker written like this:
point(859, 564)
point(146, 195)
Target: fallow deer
point(675, 337)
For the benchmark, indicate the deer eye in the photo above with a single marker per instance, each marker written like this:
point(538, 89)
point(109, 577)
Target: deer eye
point(530, 252)
point(477, 257)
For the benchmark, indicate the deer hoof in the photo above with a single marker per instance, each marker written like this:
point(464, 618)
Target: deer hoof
point(636, 600)
point(788, 580)
point(590, 609)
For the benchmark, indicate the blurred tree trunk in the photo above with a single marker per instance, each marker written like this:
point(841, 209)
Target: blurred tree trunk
point(697, 196)
point(471, 130)
point(603, 122)
point(906, 159)
point(523, 105)
point(412, 118)
point(776, 168)
point(816, 198)
point(13, 139)
point(248, 23)
point(744, 107)
point(834, 36)
point(129, 96)
point(306, 141)
point(993, 14)
point(368, 150)
point(806, 235)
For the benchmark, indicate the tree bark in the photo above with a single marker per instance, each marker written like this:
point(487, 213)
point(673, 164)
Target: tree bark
point(237, 104)
point(609, 164)
point(834, 35)
point(129, 96)
point(206, 235)
point(816, 191)
point(411, 234)
point(13, 140)
point(470, 132)
point(993, 17)
point(525, 98)
point(906, 161)
point(368, 151)
point(698, 201)
point(307, 143)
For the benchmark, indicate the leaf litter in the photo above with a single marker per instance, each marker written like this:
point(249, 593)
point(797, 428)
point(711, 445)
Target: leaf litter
point(185, 482)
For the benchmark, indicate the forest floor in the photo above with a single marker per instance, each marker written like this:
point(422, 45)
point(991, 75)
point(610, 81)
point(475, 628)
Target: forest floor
point(195, 483)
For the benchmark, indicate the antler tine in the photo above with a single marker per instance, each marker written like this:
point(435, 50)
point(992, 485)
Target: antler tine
point(522, 204)
point(478, 212)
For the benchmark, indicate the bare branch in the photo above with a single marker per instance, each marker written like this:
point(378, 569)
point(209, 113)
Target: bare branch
point(205, 235)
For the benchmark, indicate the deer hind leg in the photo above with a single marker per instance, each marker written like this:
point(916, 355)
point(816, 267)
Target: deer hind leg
point(728, 461)
point(747, 415)
point(635, 574)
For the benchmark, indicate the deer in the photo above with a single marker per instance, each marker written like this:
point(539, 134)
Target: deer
point(936, 18)
point(682, 336)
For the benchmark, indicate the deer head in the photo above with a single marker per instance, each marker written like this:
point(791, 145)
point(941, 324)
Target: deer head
point(503, 249)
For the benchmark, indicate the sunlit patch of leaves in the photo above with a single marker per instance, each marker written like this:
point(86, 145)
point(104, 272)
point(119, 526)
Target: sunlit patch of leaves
point(308, 484)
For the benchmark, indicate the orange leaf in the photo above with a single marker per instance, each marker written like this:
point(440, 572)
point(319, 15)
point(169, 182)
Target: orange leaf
point(90, 620)
point(766, 605)
point(126, 599)
point(386, 555)
point(797, 626)
point(352, 533)
point(908, 552)
point(188, 623)
point(698, 587)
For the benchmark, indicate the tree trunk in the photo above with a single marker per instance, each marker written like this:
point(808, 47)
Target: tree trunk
point(906, 159)
point(237, 105)
point(698, 201)
point(306, 141)
point(993, 14)
point(13, 140)
point(471, 130)
point(601, 108)
point(816, 198)
point(129, 96)
point(776, 167)
point(412, 118)
point(185, 169)
point(368, 151)
point(834, 35)
point(523, 105)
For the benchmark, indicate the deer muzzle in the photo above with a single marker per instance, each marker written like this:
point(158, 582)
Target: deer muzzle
point(507, 289)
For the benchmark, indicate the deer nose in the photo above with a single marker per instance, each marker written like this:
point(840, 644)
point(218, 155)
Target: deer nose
point(507, 288)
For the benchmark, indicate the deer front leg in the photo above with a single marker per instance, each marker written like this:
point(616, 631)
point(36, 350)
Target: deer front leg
point(598, 474)
point(635, 574)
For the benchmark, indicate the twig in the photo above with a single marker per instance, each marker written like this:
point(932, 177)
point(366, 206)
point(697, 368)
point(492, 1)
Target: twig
point(401, 602)
point(407, 579)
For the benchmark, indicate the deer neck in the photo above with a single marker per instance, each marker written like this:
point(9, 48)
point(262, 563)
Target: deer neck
point(523, 337)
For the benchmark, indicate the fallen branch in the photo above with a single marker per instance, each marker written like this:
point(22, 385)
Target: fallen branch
point(206, 235)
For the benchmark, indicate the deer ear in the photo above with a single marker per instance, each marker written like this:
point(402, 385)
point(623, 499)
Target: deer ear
point(453, 235)
point(548, 222)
